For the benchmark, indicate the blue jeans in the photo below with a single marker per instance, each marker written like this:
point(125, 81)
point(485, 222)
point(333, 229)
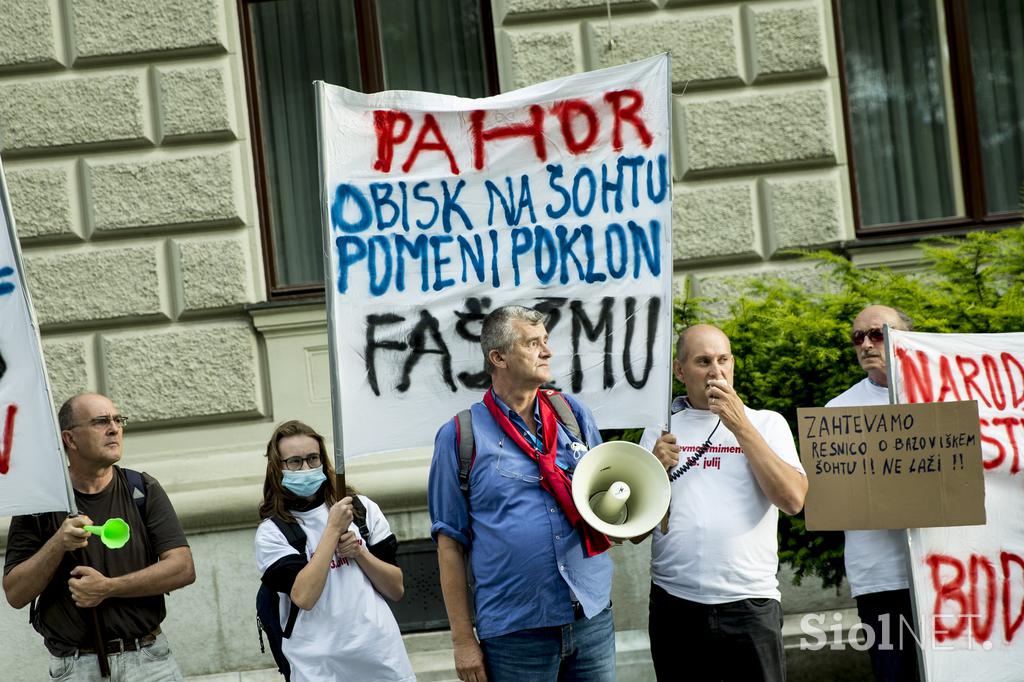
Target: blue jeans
point(153, 663)
point(581, 651)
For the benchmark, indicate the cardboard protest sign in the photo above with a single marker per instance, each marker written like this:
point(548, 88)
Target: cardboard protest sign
point(32, 474)
point(892, 466)
point(968, 582)
point(439, 209)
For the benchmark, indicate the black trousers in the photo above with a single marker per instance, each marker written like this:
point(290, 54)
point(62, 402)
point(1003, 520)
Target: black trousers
point(737, 641)
point(894, 650)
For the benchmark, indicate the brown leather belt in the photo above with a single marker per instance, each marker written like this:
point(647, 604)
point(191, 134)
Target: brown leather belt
point(119, 646)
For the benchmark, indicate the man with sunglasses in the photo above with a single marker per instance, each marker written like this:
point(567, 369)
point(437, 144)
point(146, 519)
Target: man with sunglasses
point(876, 560)
point(542, 579)
point(53, 558)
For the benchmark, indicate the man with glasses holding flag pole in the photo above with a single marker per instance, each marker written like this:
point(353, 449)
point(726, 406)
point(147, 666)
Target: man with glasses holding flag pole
point(99, 609)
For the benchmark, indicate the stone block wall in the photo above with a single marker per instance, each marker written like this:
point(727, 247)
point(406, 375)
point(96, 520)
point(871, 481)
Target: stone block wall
point(124, 134)
point(124, 138)
point(759, 153)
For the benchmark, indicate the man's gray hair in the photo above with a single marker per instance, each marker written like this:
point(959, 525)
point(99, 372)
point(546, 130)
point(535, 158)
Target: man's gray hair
point(905, 320)
point(498, 332)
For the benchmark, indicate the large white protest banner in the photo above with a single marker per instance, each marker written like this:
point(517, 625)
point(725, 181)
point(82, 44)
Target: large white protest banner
point(968, 581)
point(32, 477)
point(439, 209)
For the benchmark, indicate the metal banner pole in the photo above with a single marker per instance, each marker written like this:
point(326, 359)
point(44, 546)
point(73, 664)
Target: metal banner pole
point(668, 272)
point(336, 416)
point(893, 392)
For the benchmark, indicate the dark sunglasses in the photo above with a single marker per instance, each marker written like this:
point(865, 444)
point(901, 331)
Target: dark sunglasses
point(875, 335)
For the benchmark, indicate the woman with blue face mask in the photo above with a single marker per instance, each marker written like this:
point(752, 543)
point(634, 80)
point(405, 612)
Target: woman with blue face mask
point(344, 629)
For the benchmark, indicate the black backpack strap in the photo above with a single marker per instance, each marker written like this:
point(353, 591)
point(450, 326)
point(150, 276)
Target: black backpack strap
point(293, 615)
point(138, 487)
point(387, 549)
point(565, 414)
point(293, 533)
point(296, 537)
point(138, 491)
point(467, 448)
point(359, 516)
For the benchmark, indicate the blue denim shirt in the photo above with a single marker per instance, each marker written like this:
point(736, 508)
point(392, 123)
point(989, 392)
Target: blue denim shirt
point(527, 560)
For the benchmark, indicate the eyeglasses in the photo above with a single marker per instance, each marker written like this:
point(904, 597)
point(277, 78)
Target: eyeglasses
point(312, 460)
point(874, 334)
point(509, 473)
point(103, 421)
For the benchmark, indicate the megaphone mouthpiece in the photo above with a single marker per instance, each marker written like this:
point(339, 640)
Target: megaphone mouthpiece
point(610, 506)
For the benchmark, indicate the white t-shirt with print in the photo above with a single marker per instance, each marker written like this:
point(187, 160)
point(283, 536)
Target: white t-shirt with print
point(721, 544)
point(350, 634)
point(876, 560)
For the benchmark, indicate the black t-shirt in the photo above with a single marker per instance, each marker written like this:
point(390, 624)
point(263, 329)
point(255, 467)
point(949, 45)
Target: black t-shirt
point(62, 624)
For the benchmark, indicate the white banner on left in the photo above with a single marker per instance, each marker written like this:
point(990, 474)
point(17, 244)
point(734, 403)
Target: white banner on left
point(32, 476)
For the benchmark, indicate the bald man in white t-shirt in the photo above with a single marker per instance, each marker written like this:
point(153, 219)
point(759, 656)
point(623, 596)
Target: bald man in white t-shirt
point(876, 560)
point(715, 610)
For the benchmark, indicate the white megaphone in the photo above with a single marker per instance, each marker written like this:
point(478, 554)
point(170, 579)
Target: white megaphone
point(621, 489)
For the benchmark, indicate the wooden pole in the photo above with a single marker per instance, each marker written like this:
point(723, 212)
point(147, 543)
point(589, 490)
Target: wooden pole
point(99, 643)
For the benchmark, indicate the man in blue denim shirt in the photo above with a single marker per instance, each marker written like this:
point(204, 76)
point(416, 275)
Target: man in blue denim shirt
point(542, 604)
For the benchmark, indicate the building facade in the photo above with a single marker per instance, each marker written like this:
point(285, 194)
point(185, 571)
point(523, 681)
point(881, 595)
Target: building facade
point(159, 168)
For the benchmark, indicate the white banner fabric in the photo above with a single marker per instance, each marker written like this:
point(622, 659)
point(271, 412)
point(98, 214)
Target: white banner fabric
point(968, 581)
point(32, 475)
point(440, 209)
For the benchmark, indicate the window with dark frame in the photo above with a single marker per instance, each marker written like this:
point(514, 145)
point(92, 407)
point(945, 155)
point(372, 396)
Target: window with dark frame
point(933, 93)
point(444, 46)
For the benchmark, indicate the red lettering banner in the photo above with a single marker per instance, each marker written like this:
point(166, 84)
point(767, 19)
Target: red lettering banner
point(968, 581)
point(439, 209)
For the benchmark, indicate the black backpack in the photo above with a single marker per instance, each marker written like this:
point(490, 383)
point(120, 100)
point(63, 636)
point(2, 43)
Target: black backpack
point(268, 619)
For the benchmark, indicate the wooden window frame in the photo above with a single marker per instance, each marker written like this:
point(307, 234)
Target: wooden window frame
point(965, 117)
point(371, 69)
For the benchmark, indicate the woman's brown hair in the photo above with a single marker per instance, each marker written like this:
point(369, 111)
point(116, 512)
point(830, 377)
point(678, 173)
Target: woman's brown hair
point(276, 497)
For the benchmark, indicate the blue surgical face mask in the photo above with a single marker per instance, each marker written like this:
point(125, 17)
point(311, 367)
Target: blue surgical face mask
point(304, 482)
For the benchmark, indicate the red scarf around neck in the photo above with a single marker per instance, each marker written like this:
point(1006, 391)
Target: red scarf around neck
point(552, 478)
